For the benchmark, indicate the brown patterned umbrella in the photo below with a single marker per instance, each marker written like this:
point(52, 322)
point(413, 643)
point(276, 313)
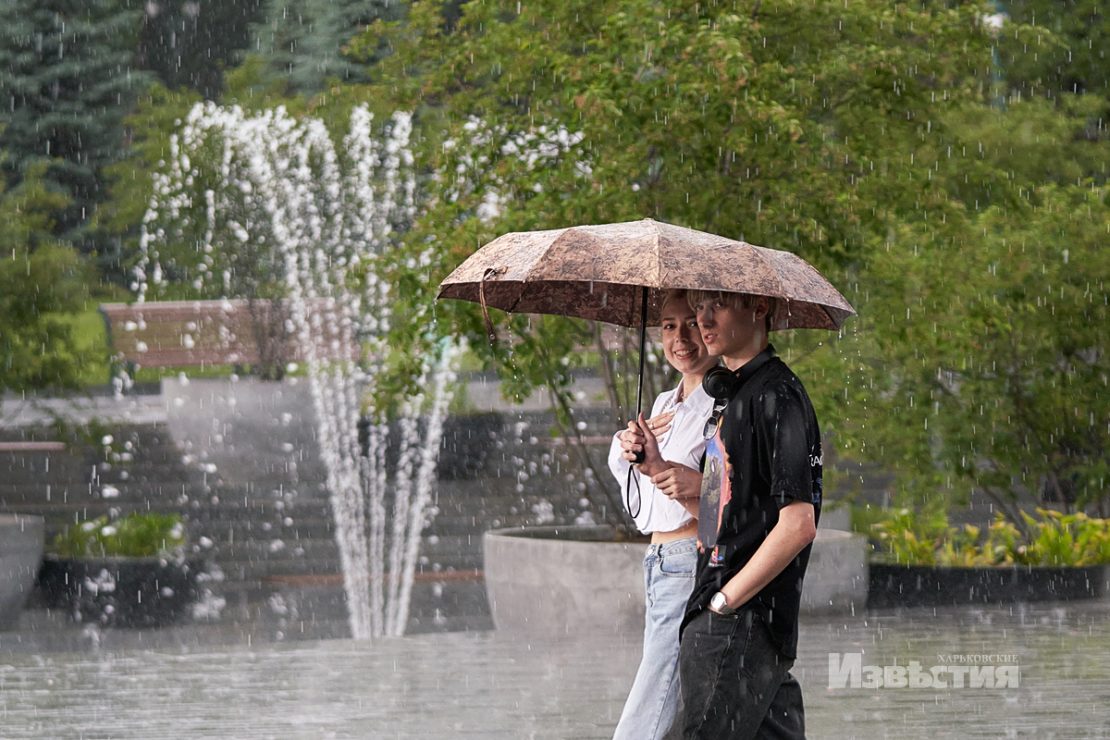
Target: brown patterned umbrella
point(604, 272)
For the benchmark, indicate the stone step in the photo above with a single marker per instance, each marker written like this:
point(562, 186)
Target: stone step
point(446, 526)
point(251, 570)
point(19, 465)
point(314, 524)
point(49, 491)
point(220, 508)
point(140, 479)
point(445, 548)
point(250, 521)
point(256, 559)
point(232, 503)
point(276, 549)
point(217, 529)
point(457, 514)
point(465, 561)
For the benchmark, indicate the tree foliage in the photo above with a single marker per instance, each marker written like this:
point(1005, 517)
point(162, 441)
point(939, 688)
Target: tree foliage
point(983, 346)
point(784, 124)
point(67, 78)
point(41, 279)
point(860, 136)
point(302, 43)
point(191, 43)
point(1074, 59)
point(157, 115)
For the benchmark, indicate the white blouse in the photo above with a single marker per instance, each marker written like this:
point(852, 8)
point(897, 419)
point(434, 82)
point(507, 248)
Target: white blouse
point(683, 443)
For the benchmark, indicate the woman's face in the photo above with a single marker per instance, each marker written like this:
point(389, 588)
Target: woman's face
point(682, 344)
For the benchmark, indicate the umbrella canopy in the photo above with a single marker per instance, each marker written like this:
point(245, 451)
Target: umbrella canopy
point(601, 273)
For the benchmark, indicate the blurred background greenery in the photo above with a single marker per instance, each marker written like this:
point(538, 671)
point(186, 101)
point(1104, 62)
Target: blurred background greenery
point(944, 163)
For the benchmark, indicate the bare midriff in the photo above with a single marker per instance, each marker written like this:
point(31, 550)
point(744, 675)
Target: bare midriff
point(660, 538)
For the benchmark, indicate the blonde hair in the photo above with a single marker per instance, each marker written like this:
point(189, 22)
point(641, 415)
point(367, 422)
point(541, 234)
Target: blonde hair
point(733, 300)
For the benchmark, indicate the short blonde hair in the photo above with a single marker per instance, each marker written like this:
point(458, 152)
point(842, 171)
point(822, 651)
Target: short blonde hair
point(734, 300)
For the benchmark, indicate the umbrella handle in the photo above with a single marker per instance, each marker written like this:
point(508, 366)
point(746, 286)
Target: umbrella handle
point(491, 272)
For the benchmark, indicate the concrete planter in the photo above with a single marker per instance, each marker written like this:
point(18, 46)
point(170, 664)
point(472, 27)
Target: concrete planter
point(121, 592)
point(837, 575)
point(554, 581)
point(21, 543)
point(925, 585)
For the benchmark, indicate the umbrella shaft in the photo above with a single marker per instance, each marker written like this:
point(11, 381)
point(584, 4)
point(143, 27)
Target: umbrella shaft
point(643, 347)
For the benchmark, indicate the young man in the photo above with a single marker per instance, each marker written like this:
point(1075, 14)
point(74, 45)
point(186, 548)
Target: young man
point(760, 502)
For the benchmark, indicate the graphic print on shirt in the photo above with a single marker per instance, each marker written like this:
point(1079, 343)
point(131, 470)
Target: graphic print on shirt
point(816, 465)
point(716, 492)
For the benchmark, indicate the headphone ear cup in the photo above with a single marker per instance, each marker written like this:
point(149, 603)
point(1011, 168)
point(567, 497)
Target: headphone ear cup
point(720, 383)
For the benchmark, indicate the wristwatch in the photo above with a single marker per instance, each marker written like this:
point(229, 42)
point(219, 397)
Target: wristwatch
point(719, 604)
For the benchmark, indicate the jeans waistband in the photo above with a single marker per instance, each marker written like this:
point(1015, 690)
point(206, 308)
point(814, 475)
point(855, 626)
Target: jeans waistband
point(674, 547)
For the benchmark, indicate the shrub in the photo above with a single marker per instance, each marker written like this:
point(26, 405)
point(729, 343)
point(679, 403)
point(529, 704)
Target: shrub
point(1052, 539)
point(135, 535)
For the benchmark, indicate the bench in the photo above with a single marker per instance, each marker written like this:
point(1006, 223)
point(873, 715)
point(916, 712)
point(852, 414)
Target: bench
point(170, 334)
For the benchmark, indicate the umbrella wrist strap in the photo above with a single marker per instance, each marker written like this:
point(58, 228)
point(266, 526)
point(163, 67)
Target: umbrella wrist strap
point(633, 480)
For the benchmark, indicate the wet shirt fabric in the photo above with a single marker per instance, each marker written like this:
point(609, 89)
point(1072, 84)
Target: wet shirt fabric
point(683, 443)
point(766, 454)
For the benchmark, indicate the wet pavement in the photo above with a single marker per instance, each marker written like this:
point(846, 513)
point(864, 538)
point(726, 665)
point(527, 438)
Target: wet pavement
point(214, 681)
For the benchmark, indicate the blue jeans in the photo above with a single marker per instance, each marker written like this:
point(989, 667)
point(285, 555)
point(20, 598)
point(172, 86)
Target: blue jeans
point(668, 581)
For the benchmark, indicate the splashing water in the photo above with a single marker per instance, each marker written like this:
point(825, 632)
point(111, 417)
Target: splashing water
point(323, 222)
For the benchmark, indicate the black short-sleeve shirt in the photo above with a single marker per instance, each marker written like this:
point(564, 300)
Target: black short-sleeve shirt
point(769, 455)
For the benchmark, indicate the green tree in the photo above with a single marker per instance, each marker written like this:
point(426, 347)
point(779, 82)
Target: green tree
point(67, 78)
point(1067, 66)
point(303, 43)
point(158, 113)
point(41, 280)
point(1073, 60)
point(783, 124)
point(981, 360)
point(190, 43)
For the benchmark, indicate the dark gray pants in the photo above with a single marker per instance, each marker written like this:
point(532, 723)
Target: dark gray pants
point(735, 683)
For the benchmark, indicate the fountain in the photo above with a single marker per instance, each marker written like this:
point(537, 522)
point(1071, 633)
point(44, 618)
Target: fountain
point(266, 206)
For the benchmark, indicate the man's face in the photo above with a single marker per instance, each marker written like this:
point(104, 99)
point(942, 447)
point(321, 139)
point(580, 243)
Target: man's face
point(728, 329)
point(682, 344)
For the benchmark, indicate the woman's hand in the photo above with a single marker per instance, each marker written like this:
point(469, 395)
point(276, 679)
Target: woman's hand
point(633, 438)
point(661, 424)
point(653, 461)
point(632, 442)
point(678, 482)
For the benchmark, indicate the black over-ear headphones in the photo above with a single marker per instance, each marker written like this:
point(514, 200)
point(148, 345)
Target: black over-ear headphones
point(720, 383)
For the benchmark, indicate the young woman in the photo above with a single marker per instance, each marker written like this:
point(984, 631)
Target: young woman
point(674, 442)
